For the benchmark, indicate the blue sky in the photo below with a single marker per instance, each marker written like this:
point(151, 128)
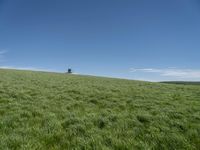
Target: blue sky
point(135, 39)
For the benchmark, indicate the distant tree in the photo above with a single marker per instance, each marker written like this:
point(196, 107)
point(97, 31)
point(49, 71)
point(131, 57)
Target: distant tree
point(69, 70)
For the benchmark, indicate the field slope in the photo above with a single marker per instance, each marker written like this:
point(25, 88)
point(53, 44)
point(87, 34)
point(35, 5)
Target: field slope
point(58, 111)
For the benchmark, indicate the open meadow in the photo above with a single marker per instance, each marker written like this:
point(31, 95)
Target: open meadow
point(49, 111)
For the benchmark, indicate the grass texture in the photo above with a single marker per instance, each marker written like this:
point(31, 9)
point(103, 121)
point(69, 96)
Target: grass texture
point(52, 111)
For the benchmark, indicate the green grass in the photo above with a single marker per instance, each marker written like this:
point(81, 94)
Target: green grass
point(47, 111)
point(182, 82)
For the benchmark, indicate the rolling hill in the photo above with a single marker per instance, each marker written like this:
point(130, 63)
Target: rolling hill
point(40, 110)
point(182, 82)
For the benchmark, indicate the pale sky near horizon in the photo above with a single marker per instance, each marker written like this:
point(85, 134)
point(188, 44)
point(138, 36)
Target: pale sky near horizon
point(153, 40)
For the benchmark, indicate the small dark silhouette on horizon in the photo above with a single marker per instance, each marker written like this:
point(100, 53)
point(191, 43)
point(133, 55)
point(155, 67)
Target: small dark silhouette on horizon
point(69, 70)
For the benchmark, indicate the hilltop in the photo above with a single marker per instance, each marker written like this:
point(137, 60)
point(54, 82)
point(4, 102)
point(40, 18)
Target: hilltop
point(41, 110)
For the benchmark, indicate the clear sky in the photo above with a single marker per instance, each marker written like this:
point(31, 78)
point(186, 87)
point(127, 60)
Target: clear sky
point(135, 39)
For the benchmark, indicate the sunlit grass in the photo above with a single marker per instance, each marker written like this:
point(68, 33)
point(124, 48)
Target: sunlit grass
point(62, 111)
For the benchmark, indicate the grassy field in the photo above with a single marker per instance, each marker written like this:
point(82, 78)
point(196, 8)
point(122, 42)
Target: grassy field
point(182, 82)
point(47, 111)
